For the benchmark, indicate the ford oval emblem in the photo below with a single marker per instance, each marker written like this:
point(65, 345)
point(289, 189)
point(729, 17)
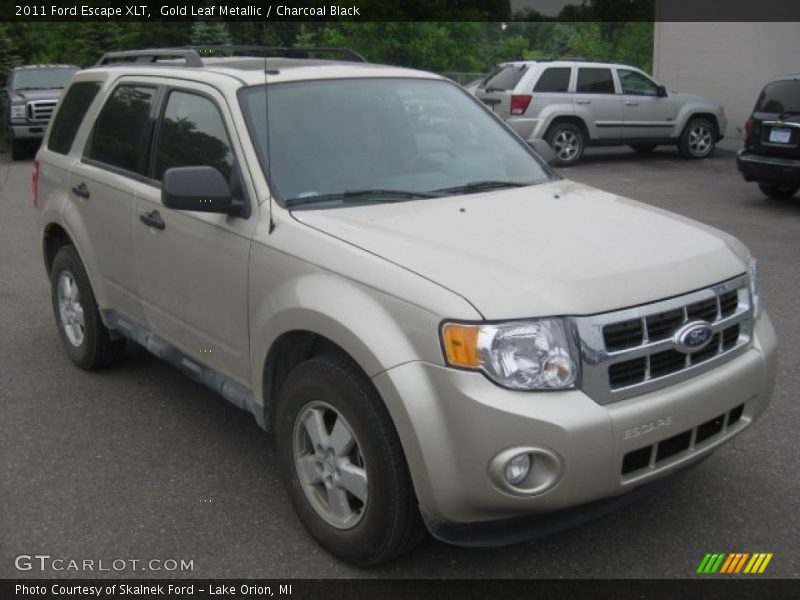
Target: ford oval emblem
point(693, 336)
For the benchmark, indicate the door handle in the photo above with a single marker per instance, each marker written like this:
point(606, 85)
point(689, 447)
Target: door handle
point(81, 190)
point(583, 101)
point(631, 103)
point(153, 219)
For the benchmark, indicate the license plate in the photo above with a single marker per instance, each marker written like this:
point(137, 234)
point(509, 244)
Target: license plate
point(780, 136)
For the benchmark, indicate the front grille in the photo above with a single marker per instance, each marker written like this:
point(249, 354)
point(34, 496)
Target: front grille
point(40, 111)
point(681, 444)
point(632, 351)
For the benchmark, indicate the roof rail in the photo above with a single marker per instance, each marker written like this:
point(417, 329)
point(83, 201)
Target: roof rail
point(193, 54)
point(275, 51)
point(190, 55)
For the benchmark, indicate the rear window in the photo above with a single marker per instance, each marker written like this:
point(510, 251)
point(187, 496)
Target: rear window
point(71, 111)
point(122, 129)
point(779, 97)
point(554, 79)
point(504, 78)
point(595, 81)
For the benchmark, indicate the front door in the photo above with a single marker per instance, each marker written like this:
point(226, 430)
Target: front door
point(192, 266)
point(646, 115)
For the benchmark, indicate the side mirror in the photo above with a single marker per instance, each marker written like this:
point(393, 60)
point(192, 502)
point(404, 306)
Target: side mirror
point(544, 150)
point(662, 91)
point(201, 188)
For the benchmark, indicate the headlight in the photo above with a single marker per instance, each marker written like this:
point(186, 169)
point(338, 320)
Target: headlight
point(17, 111)
point(521, 355)
point(755, 288)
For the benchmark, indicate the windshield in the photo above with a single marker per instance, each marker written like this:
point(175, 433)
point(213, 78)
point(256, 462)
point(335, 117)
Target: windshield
point(41, 79)
point(381, 140)
point(780, 97)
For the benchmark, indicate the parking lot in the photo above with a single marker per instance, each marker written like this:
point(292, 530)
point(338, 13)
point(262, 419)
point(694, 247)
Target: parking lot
point(139, 462)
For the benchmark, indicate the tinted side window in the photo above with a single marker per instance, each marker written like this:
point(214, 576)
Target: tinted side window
point(779, 97)
point(192, 133)
point(554, 79)
point(504, 78)
point(70, 114)
point(636, 84)
point(122, 129)
point(595, 81)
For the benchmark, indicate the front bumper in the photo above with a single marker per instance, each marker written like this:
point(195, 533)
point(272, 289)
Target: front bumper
point(27, 132)
point(453, 423)
point(768, 169)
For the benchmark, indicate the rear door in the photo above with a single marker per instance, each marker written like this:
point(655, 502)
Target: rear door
point(104, 184)
point(193, 267)
point(497, 89)
point(775, 125)
point(645, 114)
point(598, 102)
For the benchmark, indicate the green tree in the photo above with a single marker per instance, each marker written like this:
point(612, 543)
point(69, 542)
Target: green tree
point(209, 33)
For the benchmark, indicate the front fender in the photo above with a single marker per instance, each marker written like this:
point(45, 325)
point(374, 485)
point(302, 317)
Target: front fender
point(689, 109)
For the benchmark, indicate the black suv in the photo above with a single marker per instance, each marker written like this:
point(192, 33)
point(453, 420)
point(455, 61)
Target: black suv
point(771, 154)
point(29, 99)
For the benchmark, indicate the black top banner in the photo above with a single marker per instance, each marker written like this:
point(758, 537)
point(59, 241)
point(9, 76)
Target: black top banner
point(410, 10)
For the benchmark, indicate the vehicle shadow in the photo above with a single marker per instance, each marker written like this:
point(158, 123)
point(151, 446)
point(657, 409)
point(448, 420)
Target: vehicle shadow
point(659, 155)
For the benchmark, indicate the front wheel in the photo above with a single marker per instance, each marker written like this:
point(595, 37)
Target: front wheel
point(778, 192)
point(567, 141)
point(699, 138)
point(343, 465)
point(18, 148)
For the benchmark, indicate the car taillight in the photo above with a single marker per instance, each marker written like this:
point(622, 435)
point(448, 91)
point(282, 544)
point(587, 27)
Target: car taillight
point(35, 184)
point(519, 103)
point(748, 128)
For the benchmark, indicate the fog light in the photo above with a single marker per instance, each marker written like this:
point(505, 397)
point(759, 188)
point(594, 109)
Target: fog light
point(518, 468)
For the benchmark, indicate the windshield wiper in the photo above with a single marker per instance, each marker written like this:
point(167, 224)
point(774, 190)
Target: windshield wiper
point(354, 195)
point(788, 113)
point(481, 186)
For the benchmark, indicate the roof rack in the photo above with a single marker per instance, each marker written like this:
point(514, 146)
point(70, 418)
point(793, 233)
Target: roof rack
point(277, 51)
point(193, 54)
point(151, 56)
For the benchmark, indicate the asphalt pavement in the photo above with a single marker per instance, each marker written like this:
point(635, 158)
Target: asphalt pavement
point(140, 463)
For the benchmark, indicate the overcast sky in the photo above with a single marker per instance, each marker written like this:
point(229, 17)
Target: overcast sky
point(549, 8)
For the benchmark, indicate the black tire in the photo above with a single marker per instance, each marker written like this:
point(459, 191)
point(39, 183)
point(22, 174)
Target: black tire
point(389, 523)
point(778, 192)
point(568, 141)
point(96, 348)
point(643, 148)
point(19, 150)
point(698, 139)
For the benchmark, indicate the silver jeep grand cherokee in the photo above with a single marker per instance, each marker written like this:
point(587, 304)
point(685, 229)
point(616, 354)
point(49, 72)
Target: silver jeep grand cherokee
point(440, 332)
point(575, 104)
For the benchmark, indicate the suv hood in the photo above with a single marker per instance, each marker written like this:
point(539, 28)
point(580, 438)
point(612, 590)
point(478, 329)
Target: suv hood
point(684, 98)
point(559, 248)
point(29, 95)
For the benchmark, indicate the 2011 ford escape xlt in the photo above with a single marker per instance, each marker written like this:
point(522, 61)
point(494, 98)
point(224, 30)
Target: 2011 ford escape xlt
point(441, 332)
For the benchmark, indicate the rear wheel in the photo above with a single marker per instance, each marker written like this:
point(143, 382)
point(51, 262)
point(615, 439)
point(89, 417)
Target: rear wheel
point(86, 339)
point(699, 138)
point(568, 141)
point(778, 192)
point(343, 465)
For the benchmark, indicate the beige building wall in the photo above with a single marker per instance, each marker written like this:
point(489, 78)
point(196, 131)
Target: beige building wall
point(730, 62)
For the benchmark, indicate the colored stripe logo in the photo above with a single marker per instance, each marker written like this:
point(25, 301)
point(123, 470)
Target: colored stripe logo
point(734, 562)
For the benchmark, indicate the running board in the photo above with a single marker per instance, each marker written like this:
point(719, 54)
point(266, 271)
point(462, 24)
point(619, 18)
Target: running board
point(232, 391)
